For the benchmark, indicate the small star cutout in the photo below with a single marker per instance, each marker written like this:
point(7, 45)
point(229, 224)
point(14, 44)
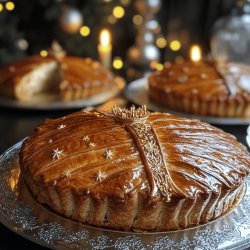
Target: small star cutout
point(54, 182)
point(57, 153)
point(85, 138)
point(50, 141)
point(108, 154)
point(61, 126)
point(91, 145)
point(99, 176)
point(66, 173)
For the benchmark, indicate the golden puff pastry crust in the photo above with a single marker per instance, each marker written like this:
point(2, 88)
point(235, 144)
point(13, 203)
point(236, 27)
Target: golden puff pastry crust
point(129, 169)
point(68, 77)
point(203, 88)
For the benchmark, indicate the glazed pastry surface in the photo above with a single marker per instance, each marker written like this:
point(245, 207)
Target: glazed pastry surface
point(203, 88)
point(131, 169)
point(69, 77)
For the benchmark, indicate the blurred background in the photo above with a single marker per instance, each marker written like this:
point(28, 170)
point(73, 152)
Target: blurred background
point(141, 32)
point(29, 27)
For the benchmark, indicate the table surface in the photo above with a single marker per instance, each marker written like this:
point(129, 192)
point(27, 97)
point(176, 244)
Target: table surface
point(17, 124)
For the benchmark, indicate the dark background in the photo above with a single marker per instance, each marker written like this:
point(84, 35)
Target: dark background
point(38, 22)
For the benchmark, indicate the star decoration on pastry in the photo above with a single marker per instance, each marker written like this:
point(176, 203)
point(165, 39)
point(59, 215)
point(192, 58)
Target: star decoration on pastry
point(66, 173)
point(108, 154)
point(85, 138)
point(91, 144)
point(57, 153)
point(100, 176)
point(50, 141)
point(61, 126)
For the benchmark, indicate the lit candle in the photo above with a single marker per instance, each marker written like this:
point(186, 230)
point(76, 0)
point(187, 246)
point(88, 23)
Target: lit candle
point(105, 48)
point(195, 53)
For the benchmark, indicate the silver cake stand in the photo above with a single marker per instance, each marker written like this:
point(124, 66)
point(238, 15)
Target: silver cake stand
point(24, 216)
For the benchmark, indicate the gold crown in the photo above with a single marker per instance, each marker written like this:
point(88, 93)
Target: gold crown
point(132, 114)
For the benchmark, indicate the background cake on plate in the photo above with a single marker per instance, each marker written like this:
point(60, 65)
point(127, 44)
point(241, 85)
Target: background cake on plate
point(203, 88)
point(68, 77)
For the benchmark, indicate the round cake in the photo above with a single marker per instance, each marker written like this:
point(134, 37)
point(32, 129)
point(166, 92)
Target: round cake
point(203, 88)
point(129, 169)
point(67, 77)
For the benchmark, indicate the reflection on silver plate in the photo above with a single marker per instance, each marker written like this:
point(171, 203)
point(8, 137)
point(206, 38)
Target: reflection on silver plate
point(52, 102)
point(137, 92)
point(23, 215)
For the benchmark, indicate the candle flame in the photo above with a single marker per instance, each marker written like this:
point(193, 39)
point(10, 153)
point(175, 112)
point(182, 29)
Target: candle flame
point(195, 53)
point(105, 38)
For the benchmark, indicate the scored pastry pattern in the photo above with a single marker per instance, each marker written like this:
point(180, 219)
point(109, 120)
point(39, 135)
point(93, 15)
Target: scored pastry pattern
point(136, 120)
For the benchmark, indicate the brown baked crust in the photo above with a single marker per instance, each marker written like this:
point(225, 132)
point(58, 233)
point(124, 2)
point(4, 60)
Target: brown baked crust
point(11, 74)
point(75, 77)
point(203, 88)
point(84, 78)
point(205, 170)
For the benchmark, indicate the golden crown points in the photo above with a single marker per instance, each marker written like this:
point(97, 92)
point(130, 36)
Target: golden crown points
point(131, 115)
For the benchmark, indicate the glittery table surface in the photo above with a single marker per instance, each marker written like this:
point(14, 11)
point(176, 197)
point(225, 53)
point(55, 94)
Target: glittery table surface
point(23, 215)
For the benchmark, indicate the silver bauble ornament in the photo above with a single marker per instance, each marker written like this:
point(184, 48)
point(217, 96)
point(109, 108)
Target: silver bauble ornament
point(143, 55)
point(144, 51)
point(70, 20)
point(148, 6)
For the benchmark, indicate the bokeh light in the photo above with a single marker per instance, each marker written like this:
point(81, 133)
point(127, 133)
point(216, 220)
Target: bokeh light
point(117, 63)
point(175, 45)
point(43, 53)
point(161, 42)
point(118, 11)
point(10, 6)
point(84, 30)
point(137, 19)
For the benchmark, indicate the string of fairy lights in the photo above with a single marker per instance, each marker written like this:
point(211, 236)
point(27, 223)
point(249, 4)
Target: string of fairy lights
point(118, 12)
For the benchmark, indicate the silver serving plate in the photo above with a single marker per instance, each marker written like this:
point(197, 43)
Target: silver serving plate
point(52, 102)
point(137, 92)
point(23, 215)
